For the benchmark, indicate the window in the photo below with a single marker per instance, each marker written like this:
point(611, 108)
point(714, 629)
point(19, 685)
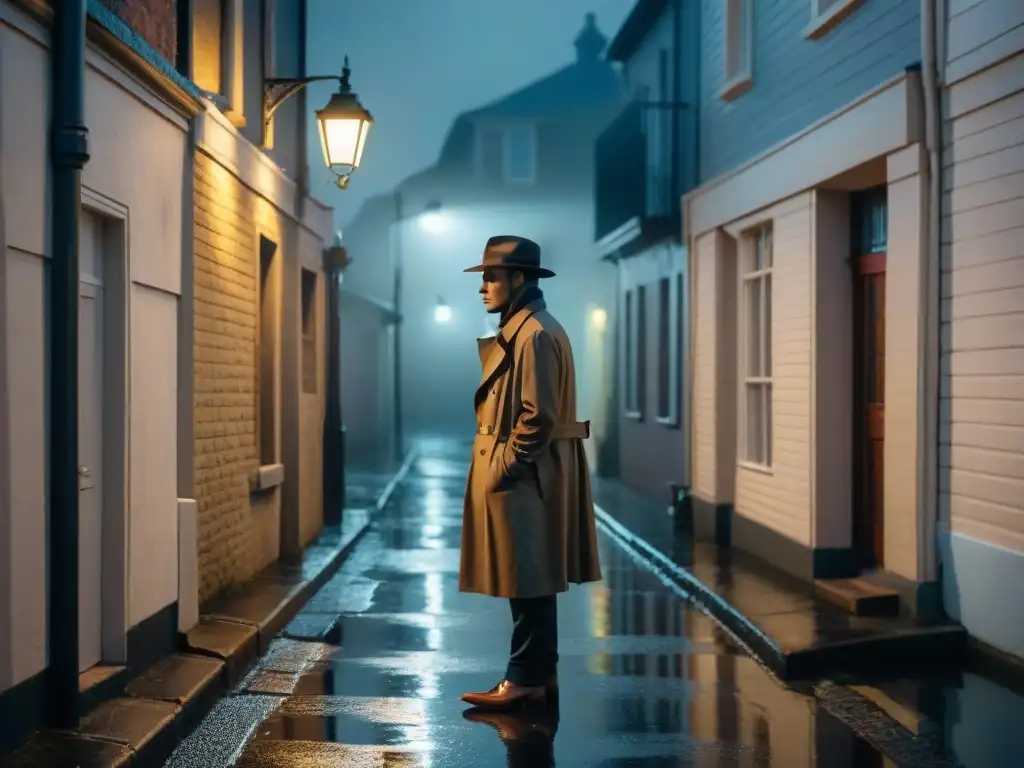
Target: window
point(217, 34)
point(309, 325)
point(520, 155)
point(267, 353)
point(738, 45)
point(670, 307)
point(827, 14)
point(635, 352)
point(506, 153)
point(756, 347)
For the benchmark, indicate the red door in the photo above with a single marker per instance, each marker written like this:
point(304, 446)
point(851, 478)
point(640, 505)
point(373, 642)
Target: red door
point(869, 511)
point(870, 229)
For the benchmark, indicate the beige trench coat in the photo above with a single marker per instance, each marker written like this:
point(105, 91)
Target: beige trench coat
point(528, 519)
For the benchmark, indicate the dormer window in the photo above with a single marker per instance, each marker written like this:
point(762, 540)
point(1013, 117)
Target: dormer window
point(520, 155)
point(507, 153)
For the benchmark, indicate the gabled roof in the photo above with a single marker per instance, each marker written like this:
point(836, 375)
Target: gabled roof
point(566, 90)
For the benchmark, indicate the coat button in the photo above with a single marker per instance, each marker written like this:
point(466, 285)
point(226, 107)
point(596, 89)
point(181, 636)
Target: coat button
point(483, 451)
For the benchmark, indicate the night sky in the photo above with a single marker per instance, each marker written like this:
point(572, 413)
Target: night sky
point(416, 64)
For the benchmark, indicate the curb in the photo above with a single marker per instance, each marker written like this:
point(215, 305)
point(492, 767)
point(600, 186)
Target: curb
point(766, 651)
point(294, 603)
point(239, 641)
point(163, 705)
point(923, 649)
point(856, 712)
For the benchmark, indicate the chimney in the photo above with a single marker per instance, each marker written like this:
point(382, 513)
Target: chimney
point(590, 43)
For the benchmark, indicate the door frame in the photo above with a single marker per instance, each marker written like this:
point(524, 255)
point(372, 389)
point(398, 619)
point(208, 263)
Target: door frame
point(114, 597)
point(868, 256)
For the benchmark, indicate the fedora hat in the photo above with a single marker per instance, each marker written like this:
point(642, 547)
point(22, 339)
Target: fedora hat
point(512, 252)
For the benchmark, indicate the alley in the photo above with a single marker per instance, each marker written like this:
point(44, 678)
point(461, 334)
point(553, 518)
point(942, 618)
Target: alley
point(645, 681)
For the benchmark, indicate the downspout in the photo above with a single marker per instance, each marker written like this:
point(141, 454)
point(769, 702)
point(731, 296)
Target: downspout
point(69, 154)
point(928, 320)
point(691, 272)
point(334, 428)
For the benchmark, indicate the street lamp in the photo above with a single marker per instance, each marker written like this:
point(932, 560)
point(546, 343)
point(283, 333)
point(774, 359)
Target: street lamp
point(344, 123)
point(442, 312)
point(433, 208)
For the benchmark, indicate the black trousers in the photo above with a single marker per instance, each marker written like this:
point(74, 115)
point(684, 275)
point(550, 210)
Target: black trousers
point(533, 656)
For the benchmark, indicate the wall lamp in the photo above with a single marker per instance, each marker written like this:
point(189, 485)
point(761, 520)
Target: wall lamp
point(344, 123)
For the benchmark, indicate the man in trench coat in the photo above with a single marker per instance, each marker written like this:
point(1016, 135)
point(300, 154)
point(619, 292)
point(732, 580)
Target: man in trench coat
point(528, 520)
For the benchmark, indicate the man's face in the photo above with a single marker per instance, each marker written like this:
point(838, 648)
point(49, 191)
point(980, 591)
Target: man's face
point(498, 287)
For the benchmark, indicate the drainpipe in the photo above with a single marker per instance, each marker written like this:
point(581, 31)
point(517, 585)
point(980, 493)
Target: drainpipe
point(928, 321)
point(68, 153)
point(335, 261)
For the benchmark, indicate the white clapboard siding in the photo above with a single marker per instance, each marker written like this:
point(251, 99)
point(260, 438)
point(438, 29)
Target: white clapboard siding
point(704, 370)
point(781, 499)
point(982, 427)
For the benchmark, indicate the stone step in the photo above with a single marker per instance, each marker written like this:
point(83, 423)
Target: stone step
point(859, 596)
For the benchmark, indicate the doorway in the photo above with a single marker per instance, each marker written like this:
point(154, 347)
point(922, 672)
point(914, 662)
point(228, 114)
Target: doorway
point(870, 237)
point(103, 385)
point(90, 443)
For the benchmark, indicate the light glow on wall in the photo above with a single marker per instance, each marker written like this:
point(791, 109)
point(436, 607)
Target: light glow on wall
point(434, 223)
point(598, 319)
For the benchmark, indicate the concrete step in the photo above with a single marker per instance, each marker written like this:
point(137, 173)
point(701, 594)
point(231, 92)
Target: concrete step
point(859, 596)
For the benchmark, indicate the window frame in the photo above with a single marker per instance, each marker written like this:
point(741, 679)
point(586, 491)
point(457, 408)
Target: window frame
point(824, 20)
point(309, 306)
point(670, 319)
point(761, 275)
point(506, 154)
point(634, 352)
point(737, 41)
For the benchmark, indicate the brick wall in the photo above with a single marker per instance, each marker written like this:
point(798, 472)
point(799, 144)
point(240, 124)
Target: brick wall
point(225, 278)
point(156, 21)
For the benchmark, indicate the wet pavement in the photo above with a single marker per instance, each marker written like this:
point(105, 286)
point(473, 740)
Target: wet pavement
point(370, 672)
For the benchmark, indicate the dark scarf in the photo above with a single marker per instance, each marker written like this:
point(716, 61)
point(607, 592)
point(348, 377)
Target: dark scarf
point(526, 295)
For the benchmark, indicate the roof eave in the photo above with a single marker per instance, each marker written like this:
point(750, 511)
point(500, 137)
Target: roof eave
point(634, 29)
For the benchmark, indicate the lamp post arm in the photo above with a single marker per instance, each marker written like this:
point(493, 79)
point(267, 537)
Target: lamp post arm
point(277, 90)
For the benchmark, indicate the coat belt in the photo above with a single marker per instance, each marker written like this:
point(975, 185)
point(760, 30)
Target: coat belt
point(576, 430)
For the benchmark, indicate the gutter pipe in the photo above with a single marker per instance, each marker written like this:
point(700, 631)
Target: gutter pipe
point(929, 319)
point(68, 155)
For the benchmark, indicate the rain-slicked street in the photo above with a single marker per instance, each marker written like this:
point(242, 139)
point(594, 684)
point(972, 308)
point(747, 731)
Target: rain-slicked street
point(645, 681)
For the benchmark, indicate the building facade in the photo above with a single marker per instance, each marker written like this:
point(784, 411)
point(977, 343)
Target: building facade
point(132, 246)
point(257, 299)
point(521, 164)
point(981, 310)
point(644, 161)
point(201, 333)
point(855, 253)
point(808, 250)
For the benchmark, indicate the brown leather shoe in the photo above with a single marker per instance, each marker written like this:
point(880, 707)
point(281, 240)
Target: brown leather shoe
point(507, 695)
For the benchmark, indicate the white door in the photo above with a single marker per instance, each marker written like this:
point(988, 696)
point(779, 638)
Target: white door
point(90, 445)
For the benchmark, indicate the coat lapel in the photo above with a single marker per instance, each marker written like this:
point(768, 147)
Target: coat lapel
point(496, 351)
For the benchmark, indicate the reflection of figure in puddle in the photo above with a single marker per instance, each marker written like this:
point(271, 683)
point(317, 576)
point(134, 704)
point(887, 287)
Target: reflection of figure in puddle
point(528, 521)
point(528, 735)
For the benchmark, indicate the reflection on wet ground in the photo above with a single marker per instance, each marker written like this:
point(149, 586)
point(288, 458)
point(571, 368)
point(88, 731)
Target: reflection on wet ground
point(371, 672)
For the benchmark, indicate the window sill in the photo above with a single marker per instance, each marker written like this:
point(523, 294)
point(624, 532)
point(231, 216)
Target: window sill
point(267, 477)
point(753, 467)
point(824, 23)
point(736, 87)
point(634, 415)
point(671, 422)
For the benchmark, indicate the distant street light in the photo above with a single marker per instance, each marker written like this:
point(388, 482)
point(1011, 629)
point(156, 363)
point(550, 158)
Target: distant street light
point(344, 123)
point(433, 220)
point(442, 312)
